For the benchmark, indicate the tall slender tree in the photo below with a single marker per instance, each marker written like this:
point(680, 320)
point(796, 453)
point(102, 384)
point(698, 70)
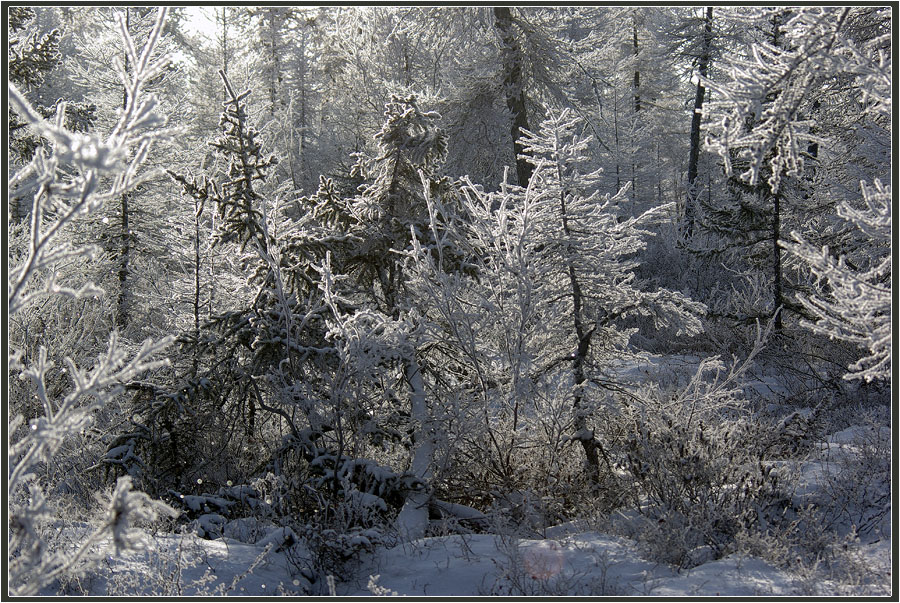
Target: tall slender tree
point(579, 235)
point(703, 63)
point(514, 88)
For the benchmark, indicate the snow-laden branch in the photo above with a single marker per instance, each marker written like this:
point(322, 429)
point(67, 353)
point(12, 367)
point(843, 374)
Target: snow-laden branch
point(758, 116)
point(855, 304)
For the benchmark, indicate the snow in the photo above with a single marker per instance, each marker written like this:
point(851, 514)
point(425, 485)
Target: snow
point(587, 564)
point(734, 576)
point(367, 501)
point(204, 503)
point(278, 538)
point(210, 524)
point(248, 557)
point(858, 433)
point(243, 529)
point(459, 511)
point(413, 518)
point(584, 563)
point(186, 565)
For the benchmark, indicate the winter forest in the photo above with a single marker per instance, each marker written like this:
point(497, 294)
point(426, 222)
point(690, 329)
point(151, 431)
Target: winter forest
point(472, 300)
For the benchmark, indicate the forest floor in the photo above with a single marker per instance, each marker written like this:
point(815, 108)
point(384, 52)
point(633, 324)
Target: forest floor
point(570, 559)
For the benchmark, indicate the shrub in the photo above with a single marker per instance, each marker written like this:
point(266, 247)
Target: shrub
point(698, 460)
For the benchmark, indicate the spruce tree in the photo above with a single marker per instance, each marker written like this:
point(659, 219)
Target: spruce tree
point(30, 57)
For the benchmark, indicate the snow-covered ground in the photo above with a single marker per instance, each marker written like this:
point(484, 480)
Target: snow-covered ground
point(587, 564)
point(572, 559)
point(580, 563)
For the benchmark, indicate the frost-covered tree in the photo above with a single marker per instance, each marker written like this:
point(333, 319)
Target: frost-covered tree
point(30, 58)
point(129, 233)
point(578, 275)
point(703, 63)
point(390, 204)
point(581, 234)
point(766, 124)
point(270, 39)
point(74, 175)
point(267, 312)
point(760, 112)
point(854, 303)
point(364, 57)
point(620, 75)
point(380, 224)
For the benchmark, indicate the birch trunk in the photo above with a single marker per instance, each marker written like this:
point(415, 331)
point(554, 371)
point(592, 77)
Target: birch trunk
point(413, 518)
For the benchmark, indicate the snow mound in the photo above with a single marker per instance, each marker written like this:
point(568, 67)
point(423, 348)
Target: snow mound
point(733, 576)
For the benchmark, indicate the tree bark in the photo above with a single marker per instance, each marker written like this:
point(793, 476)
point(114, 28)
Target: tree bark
point(224, 50)
point(637, 109)
point(275, 76)
point(637, 73)
point(777, 286)
point(776, 248)
point(413, 517)
point(694, 155)
point(583, 434)
point(124, 234)
point(514, 89)
point(198, 209)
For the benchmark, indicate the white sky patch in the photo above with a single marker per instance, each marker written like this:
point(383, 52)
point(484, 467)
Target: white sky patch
point(201, 20)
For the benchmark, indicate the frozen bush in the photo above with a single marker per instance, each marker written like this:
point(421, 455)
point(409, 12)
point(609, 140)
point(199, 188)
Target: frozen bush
point(701, 486)
point(857, 496)
point(698, 461)
point(333, 539)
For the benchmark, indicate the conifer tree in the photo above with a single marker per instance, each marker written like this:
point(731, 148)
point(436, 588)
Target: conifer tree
point(703, 63)
point(30, 58)
point(390, 205)
point(272, 323)
point(579, 270)
point(382, 222)
point(854, 303)
point(762, 128)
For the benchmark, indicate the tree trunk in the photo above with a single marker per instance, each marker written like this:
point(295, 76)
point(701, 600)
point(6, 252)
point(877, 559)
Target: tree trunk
point(776, 237)
point(124, 234)
point(637, 73)
point(694, 156)
point(413, 518)
point(224, 50)
point(275, 76)
point(304, 178)
point(618, 148)
point(637, 108)
point(583, 342)
point(514, 89)
point(197, 211)
point(776, 209)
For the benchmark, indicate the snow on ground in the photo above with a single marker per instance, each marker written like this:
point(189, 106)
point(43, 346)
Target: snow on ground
point(176, 565)
point(586, 564)
point(570, 560)
point(569, 564)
